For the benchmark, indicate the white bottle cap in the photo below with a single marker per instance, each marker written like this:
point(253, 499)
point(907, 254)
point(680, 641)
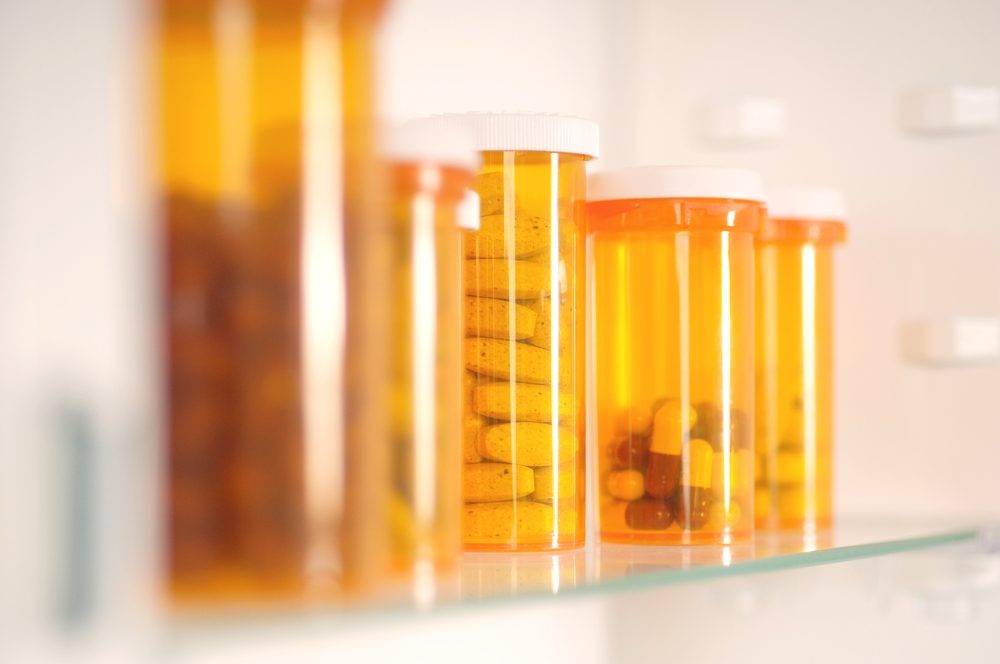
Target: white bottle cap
point(528, 132)
point(807, 203)
point(675, 182)
point(441, 145)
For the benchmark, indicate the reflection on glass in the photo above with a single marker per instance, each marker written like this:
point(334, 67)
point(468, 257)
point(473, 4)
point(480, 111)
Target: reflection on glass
point(487, 575)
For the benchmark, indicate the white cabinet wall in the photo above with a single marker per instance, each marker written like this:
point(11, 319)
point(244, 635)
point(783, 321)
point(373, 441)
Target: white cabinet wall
point(924, 225)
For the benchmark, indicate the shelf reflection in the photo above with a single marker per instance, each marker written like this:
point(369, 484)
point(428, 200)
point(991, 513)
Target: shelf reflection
point(486, 575)
point(618, 561)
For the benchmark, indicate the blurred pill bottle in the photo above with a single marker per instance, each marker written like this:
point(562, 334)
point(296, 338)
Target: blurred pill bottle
point(430, 174)
point(794, 357)
point(270, 198)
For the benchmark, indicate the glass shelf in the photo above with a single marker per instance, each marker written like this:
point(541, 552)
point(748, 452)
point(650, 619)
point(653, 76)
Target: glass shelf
point(612, 568)
point(488, 579)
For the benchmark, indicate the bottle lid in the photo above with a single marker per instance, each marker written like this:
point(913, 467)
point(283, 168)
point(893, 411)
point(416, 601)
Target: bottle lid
point(639, 182)
point(807, 203)
point(527, 132)
point(442, 145)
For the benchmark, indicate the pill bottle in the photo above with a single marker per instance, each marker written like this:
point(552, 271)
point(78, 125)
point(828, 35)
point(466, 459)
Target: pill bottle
point(671, 258)
point(430, 174)
point(794, 361)
point(257, 104)
point(523, 282)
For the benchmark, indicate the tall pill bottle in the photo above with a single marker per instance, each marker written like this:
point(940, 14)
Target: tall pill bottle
point(269, 195)
point(432, 207)
point(523, 352)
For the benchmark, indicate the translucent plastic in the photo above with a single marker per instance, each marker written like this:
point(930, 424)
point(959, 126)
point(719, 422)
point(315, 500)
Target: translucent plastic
point(523, 482)
point(672, 314)
point(425, 503)
point(251, 112)
point(795, 373)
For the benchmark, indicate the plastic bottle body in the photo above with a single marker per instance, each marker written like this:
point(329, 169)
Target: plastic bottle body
point(523, 428)
point(425, 502)
point(252, 511)
point(794, 364)
point(672, 284)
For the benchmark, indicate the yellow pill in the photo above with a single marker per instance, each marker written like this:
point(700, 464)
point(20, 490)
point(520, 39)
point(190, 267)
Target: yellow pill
point(696, 464)
point(401, 406)
point(567, 521)
point(670, 427)
point(739, 471)
point(634, 421)
point(532, 403)
point(492, 277)
point(523, 236)
point(489, 186)
point(494, 358)
point(485, 482)
point(527, 443)
point(471, 426)
point(403, 530)
point(489, 523)
point(671, 409)
point(797, 504)
point(791, 503)
point(487, 317)
point(626, 484)
point(791, 468)
point(547, 487)
point(543, 325)
point(719, 518)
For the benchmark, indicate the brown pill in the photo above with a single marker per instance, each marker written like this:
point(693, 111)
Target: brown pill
point(741, 428)
point(649, 514)
point(693, 506)
point(662, 473)
point(711, 426)
point(631, 451)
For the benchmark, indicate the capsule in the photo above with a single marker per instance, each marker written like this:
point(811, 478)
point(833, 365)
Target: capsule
point(649, 514)
point(669, 431)
point(693, 506)
point(662, 474)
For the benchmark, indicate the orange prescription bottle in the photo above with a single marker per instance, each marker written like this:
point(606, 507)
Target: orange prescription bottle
point(671, 282)
point(251, 115)
point(430, 171)
point(523, 280)
point(795, 357)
